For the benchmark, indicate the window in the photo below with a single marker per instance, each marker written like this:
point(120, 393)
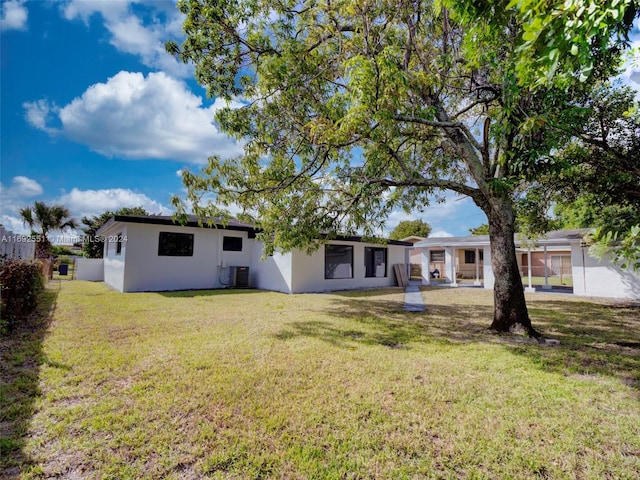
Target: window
point(173, 244)
point(375, 262)
point(119, 244)
point(437, 255)
point(338, 261)
point(232, 244)
point(560, 265)
point(469, 256)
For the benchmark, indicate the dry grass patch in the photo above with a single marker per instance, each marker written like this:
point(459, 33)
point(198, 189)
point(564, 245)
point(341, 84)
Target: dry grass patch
point(245, 384)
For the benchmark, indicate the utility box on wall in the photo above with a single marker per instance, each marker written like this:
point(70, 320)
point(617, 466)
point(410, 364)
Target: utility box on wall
point(240, 277)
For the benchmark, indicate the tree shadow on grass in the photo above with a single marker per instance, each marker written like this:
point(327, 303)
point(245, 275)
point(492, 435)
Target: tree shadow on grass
point(595, 338)
point(385, 322)
point(21, 357)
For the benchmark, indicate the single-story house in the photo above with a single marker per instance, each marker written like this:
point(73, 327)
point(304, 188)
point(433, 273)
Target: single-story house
point(153, 253)
point(557, 253)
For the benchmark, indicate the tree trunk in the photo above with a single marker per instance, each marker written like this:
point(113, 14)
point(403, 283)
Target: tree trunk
point(43, 248)
point(510, 308)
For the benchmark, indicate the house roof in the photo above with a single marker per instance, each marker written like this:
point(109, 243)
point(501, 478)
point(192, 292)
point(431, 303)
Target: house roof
point(554, 238)
point(231, 224)
point(412, 239)
point(192, 221)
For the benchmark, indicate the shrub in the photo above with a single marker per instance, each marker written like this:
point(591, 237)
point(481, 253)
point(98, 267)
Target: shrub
point(57, 250)
point(21, 283)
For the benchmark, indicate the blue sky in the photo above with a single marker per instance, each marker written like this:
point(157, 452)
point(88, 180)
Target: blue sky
point(96, 116)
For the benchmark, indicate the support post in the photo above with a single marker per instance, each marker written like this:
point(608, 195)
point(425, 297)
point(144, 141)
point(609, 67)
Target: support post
point(477, 281)
point(530, 287)
point(426, 274)
point(546, 285)
point(454, 259)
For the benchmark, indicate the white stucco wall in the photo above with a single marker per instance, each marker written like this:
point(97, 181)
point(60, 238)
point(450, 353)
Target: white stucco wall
point(139, 267)
point(114, 263)
point(272, 273)
point(487, 269)
point(91, 269)
point(308, 270)
point(147, 271)
point(595, 278)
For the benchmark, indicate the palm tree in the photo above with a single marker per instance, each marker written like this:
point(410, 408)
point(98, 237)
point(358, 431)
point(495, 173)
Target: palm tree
point(44, 219)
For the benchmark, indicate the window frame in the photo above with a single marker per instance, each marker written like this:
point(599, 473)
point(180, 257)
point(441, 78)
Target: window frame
point(369, 261)
point(470, 254)
point(327, 254)
point(229, 243)
point(119, 243)
point(189, 237)
point(432, 256)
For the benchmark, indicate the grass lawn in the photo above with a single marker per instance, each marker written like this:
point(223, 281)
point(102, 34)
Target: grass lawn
point(245, 384)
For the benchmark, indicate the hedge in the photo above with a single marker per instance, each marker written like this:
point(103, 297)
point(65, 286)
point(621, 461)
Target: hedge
point(21, 283)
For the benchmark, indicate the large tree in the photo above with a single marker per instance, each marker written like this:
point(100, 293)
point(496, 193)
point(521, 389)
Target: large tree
point(93, 245)
point(410, 228)
point(352, 109)
point(44, 219)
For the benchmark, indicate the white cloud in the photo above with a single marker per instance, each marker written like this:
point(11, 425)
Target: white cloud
point(440, 234)
point(137, 117)
point(26, 187)
point(38, 114)
point(13, 15)
point(87, 203)
point(14, 224)
point(17, 195)
point(81, 203)
point(130, 33)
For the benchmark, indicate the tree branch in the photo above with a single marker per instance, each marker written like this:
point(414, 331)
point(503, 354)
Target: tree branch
point(444, 184)
point(438, 124)
point(478, 102)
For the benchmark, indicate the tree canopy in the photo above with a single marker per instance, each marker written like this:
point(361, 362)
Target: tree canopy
point(44, 219)
point(480, 230)
point(93, 246)
point(598, 185)
point(353, 109)
point(410, 228)
point(561, 41)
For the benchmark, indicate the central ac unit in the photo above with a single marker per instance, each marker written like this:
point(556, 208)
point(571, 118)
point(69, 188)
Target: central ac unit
point(239, 276)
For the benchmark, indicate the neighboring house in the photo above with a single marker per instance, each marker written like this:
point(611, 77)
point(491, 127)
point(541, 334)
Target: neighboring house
point(557, 253)
point(153, 253)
